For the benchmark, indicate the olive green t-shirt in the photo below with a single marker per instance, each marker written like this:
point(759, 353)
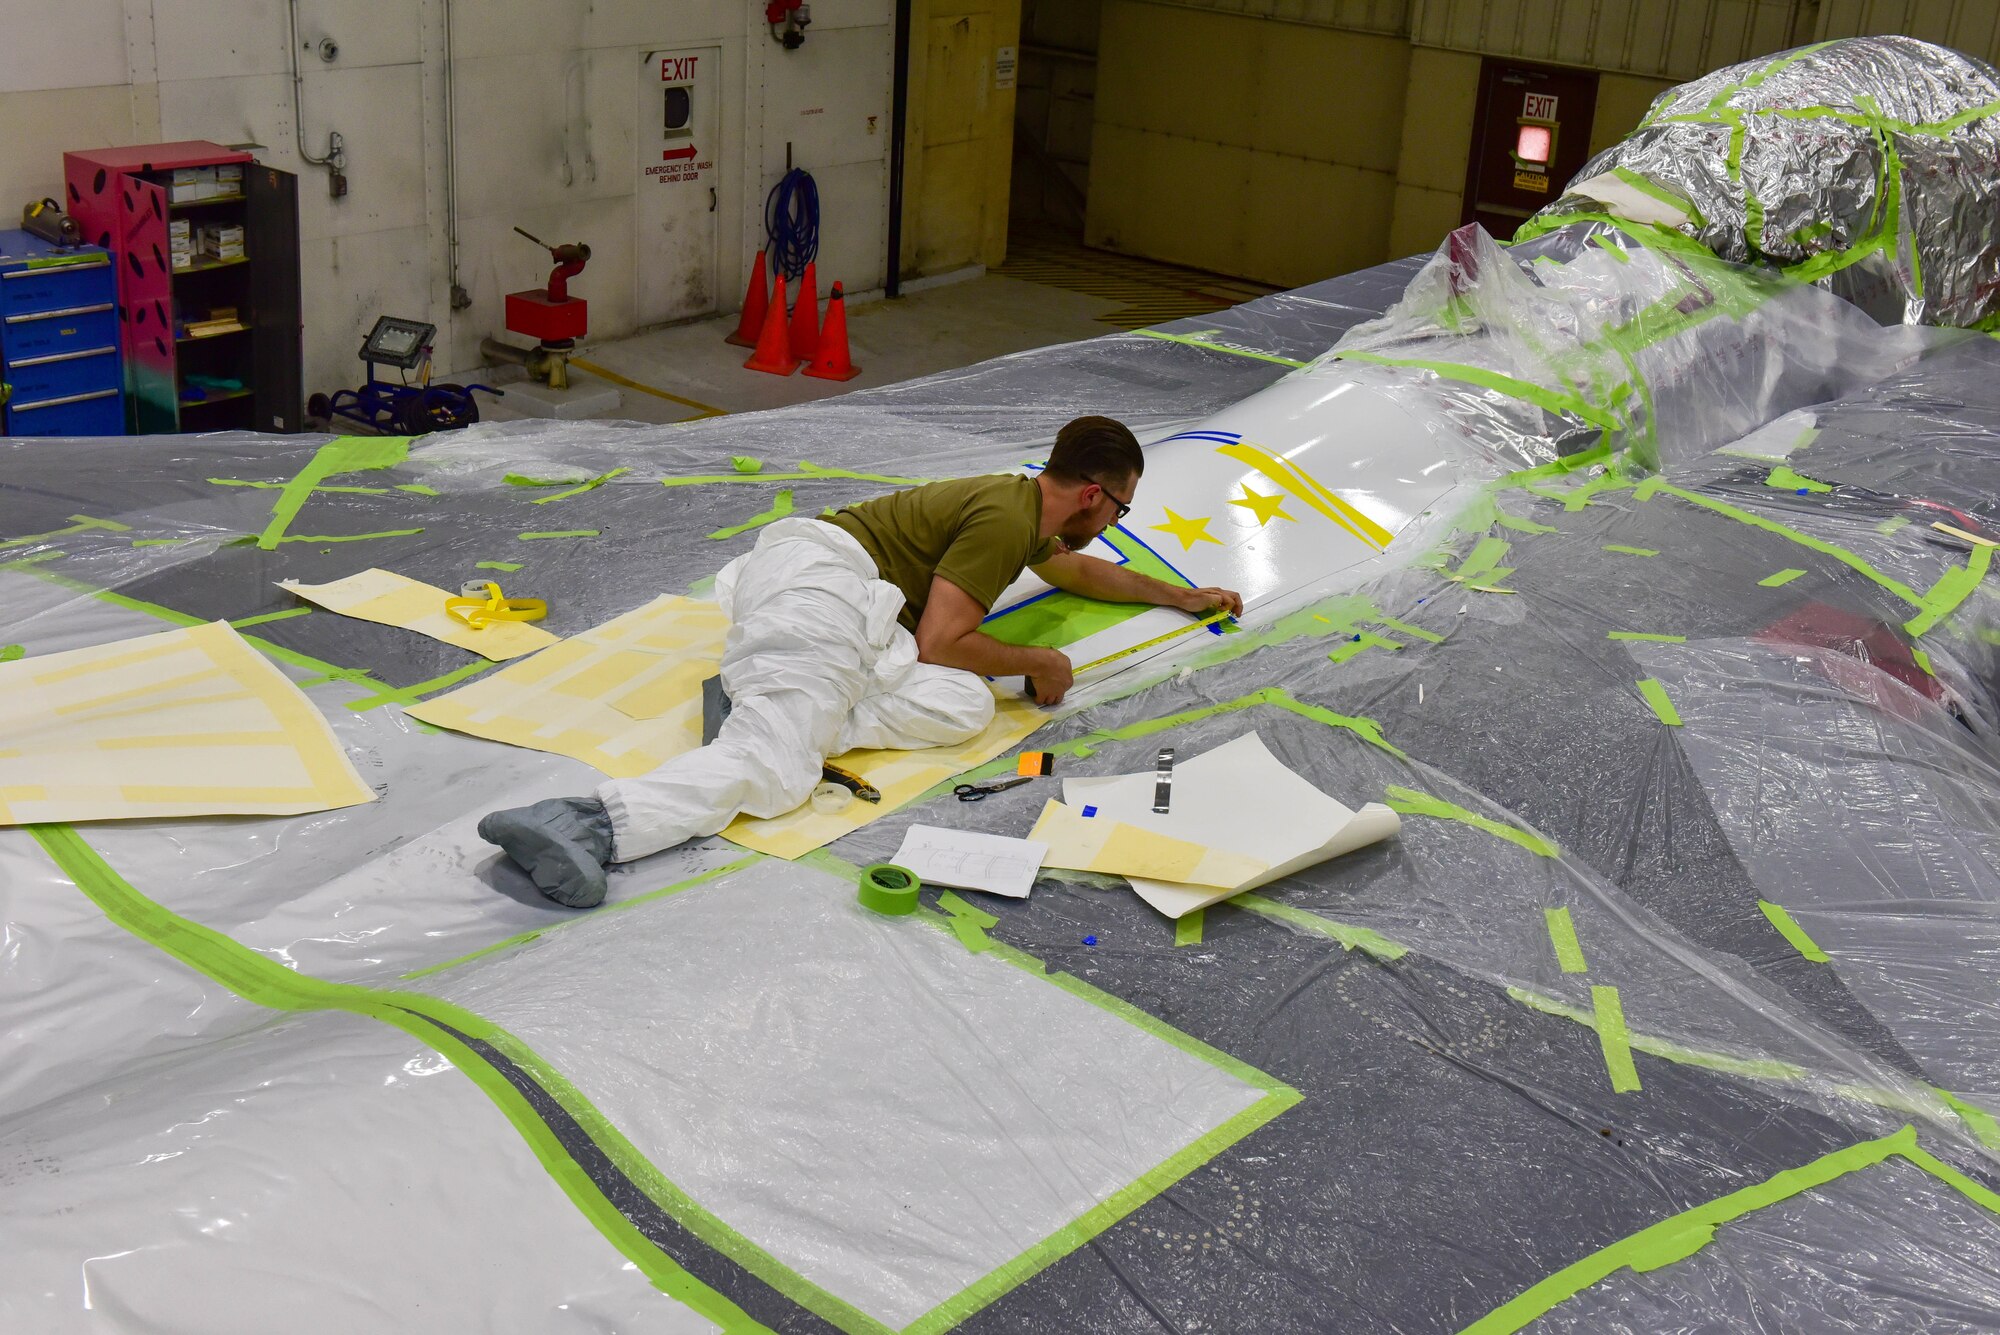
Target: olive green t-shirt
point(978, 532)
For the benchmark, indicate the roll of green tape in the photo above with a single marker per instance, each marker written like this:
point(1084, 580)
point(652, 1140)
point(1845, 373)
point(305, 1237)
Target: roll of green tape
point(890, 889)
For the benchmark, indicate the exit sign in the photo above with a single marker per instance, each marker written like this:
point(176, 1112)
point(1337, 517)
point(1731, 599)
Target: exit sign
point(1539, 107)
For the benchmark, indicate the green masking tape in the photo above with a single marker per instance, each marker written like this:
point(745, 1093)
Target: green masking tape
point(889, 889)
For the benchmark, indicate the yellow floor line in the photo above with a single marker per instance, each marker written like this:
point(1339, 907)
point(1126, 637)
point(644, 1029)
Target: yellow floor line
point(705, 409)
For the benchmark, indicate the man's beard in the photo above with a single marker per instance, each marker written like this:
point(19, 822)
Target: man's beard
point(1076, 537)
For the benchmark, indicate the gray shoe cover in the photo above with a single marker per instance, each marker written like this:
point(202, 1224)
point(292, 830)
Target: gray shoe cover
point(562, 843)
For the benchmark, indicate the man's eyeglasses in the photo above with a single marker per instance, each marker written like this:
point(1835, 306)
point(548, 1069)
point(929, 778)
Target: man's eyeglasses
point(1123, 508)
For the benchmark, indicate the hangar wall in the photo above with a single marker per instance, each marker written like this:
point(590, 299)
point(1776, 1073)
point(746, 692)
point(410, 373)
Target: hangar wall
point(545, 110)
point(1288, 140)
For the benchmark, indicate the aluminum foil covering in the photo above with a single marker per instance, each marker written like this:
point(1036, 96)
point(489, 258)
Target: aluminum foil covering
point(1869, 165)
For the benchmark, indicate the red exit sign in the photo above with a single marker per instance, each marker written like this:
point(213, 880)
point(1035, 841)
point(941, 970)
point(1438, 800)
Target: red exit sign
point(680, 69)
point(1539, 107)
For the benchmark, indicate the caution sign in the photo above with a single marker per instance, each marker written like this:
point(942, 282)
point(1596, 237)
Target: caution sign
point(1534, 181)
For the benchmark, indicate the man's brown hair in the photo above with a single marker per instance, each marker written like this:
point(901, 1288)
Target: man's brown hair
point(1096, 449)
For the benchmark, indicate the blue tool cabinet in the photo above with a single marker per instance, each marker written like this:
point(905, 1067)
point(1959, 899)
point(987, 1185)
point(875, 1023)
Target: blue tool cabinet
point(59, 340)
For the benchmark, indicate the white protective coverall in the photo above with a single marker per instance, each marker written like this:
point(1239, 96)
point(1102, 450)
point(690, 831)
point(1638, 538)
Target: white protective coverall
point(815, 664)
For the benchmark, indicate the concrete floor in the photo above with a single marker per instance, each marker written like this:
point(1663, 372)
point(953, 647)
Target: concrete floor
point(936, 325)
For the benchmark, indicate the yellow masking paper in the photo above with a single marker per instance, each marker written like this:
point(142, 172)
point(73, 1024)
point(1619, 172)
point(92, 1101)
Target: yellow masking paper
point(624, 696)
point(189, 722)
point(389, 599)
point(900, 775)
point(1097, 843)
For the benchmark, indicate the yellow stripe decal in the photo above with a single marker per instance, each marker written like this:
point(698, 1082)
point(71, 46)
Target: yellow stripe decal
point(1308, 489)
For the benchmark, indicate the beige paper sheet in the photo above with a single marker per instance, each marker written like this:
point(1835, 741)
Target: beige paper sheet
point(624, 696)
point(900, 775)
point(189, 722)
point(390, 599)
point(1239, 797)
point(1095, 843)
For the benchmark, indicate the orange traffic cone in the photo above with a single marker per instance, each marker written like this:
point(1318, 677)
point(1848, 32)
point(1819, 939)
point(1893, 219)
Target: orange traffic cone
point(774, 350)
point(805, 317)
point(831, 362)
point(755, 299)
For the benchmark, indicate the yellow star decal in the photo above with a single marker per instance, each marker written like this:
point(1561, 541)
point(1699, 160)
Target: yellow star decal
point(1266, 508)
point(1189, 531)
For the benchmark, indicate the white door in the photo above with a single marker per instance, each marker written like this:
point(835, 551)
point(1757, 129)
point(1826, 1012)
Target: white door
point(679, 133)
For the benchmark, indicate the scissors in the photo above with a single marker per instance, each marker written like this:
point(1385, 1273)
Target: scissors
point(972, 792)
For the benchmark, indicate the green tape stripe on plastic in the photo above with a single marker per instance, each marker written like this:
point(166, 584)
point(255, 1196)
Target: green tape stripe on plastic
point(1653, 486)
point(349, 454)
point(1410, 802)
point(292, 657)
point(781, 506)
point(1656, 696)
point(262, 617)
point(1562, 935)
point(1276, 1098)
point(1350, 937)
point(1630, 551)
point(1551, 400)
point(1780, 579)
point(536, 933)
point(1784, 479)
point(1644, 636)
point(1953, 588)
point(1686, 1233)
point(1612, 1038)
point(1922, 660)
point(350, 537)
point(1647, 186)
point(409, 695)
point(1789, 928)
point(561, 533)
point(10, 653)
point(265, 982)
point(1414, 632)
point(580, 488)
point(1485, 556)
point(1977, 1120)
point(1188, 928)
point(967, 923)
point(1196, 341)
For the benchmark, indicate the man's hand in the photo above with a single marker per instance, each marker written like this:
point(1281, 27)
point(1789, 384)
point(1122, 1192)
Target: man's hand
point(1200, 602)
point(1051, 677)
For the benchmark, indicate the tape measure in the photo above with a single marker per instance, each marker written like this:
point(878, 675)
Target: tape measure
point(1209, 620)
point(479, 613)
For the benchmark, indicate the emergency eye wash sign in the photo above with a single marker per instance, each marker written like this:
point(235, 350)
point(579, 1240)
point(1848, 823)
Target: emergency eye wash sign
point(676, 141)
point(682, 159)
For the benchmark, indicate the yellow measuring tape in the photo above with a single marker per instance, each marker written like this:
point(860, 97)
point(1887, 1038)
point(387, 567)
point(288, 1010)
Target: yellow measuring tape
point(480, 613)
point(1209, 620)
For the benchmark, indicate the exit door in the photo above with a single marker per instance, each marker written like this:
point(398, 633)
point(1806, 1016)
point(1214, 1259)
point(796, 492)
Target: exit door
point(1530, 136)
point(679, 128)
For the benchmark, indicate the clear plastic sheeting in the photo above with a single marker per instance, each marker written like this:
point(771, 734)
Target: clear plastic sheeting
point(1931, 1247)
point(1618, 340)
point(1870, 165)
point(1677, 643)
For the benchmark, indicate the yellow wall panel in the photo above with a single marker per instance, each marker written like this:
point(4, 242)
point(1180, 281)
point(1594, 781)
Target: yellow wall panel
point(1167, 198)
point(1422, 219)
point(960, 137)
point(1437, 133)
point(1622, 100)
point(1305, 220)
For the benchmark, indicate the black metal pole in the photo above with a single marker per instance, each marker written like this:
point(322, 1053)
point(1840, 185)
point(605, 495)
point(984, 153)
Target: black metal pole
point(899, 111)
